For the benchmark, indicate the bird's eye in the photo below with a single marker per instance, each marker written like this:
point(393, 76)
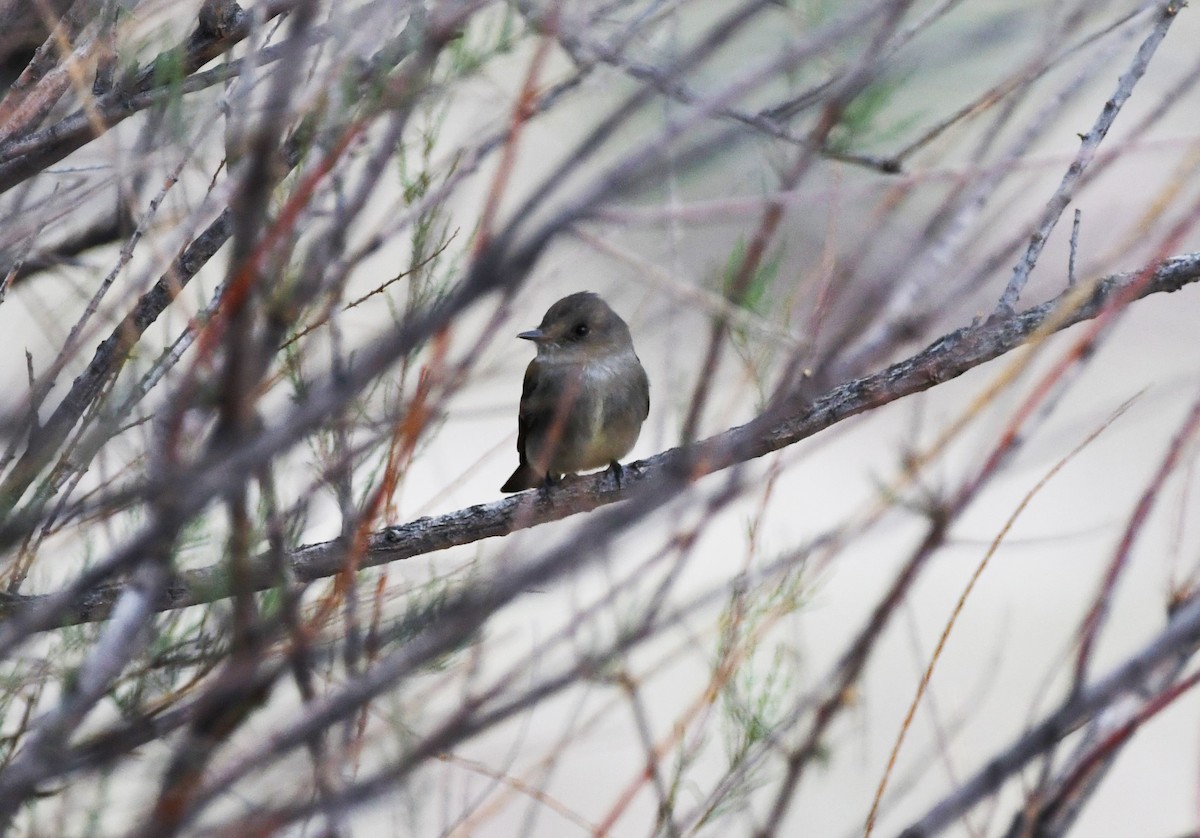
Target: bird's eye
point(581, 330)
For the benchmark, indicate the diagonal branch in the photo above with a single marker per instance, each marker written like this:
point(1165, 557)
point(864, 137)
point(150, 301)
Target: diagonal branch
point(25, 156)
point(947, 358)
point(1089, 144)
point(1180, 637)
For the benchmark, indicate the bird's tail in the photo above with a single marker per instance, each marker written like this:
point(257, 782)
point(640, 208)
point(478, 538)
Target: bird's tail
point(525, 477)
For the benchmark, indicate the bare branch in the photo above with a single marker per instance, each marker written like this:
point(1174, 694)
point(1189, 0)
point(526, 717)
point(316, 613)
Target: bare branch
point(947, 358)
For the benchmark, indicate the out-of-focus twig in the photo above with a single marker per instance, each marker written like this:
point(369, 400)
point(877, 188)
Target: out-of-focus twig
point(1090, 142)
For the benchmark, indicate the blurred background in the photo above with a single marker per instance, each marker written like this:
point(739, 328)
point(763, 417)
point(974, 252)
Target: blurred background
point(779, 198)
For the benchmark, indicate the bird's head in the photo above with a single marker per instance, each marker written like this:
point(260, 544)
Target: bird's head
point(578, 327)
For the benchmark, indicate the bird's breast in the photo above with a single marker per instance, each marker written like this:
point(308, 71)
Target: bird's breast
point(605, 418)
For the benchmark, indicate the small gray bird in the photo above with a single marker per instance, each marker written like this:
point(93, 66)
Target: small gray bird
point(585, 395)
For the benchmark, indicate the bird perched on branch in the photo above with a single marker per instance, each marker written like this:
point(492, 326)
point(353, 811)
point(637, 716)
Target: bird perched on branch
point(585, 395)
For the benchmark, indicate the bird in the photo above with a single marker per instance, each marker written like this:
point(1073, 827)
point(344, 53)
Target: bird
point(585, 395)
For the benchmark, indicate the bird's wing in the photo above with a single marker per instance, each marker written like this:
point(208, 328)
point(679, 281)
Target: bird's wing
point(533, 414)
point(532, 417)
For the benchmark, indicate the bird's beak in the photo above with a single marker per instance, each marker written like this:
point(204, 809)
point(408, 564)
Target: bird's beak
point(535, 335)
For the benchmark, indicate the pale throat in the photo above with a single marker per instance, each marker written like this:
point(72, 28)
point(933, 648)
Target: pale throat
point(608, 365)
point(598, 366)
point(596, 371)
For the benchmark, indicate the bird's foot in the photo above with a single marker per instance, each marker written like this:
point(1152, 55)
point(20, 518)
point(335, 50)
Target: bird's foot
point(617, 471)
